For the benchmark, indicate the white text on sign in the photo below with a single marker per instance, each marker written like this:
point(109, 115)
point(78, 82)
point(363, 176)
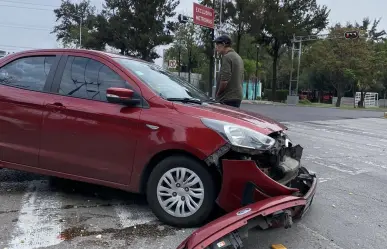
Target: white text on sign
point(204, 12)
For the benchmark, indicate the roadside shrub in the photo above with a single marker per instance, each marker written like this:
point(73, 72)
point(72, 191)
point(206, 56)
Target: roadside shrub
point(280, 94)
point(304, 102)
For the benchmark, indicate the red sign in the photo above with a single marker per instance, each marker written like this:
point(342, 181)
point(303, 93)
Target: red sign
point(203, 16)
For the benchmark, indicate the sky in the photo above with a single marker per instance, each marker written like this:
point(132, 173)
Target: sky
point(26, 24)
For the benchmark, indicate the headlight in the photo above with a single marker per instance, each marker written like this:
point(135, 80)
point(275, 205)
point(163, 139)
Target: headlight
point(240, 136)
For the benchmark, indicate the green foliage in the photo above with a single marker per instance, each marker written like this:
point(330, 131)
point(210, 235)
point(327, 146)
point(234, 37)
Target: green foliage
point(242, 15)
point(72, 16)
point(135, 27)
point(349, 65)
point(280, 19)
point(249, 68)
point(304, 102)
point(280, 94)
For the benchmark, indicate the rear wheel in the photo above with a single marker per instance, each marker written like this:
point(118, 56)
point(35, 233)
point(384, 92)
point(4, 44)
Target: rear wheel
point(181, 192)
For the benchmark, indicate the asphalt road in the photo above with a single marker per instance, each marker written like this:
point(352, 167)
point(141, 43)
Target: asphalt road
point(345, 148)
point(300, 113)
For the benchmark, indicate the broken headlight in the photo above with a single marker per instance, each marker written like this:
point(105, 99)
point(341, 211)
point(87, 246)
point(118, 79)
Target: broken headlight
point(240, 136)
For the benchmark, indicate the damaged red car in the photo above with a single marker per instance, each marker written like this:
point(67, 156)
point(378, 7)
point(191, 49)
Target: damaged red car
point(117, 121)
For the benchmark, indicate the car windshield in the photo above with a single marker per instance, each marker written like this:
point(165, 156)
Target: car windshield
point(163, 82)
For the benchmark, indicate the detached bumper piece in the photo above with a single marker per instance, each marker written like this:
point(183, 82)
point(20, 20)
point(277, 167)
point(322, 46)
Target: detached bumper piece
point(253, 200)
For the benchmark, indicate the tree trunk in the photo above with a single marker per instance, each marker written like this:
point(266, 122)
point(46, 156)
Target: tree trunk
point(339, 94)
point(338, 103)
point(274, 81)
point(360, 104)
point(239, 37)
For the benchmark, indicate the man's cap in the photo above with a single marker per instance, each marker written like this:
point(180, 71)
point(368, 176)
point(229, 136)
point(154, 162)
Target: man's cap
point(223, 39)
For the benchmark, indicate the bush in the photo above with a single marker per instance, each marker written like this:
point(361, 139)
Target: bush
point(280, 94)
point(304, 102)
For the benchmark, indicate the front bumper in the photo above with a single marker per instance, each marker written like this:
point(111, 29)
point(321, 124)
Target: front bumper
point(244, 183)
point(252, 199)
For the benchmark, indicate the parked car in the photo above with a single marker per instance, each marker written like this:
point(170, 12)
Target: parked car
point(121, 122)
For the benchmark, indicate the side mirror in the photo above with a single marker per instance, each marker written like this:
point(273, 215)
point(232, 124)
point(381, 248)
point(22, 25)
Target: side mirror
point(121, 96)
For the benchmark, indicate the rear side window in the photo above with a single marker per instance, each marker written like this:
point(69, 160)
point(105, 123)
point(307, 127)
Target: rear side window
point(87, 78)
point(28, 73)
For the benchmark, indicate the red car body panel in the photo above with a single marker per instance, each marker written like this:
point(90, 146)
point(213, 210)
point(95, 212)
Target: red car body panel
point(186, 136)
point(233, 115)
point(234, 182)
point(20, 122)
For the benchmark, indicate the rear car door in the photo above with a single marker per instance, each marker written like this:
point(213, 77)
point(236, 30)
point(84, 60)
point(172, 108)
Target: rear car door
point(24, 84)
point(83, 134)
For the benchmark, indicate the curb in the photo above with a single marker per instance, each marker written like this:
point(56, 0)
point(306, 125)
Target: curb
point(255, 102)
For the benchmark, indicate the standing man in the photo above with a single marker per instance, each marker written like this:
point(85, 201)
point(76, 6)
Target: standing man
point(229, 89)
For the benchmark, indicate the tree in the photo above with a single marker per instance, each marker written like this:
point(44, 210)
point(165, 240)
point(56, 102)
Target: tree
point(241, 15)
point(137, 26)
point(281, 19)
point(349, 64)
point(72, 17)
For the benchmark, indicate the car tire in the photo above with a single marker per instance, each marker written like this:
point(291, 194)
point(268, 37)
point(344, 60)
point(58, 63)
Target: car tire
point(157, 183)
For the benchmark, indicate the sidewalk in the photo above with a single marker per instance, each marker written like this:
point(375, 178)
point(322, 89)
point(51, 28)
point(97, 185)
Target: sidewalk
point(261, 102)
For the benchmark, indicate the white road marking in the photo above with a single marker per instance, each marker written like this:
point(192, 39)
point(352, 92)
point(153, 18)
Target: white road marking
point(36, 227)
point(134, 215)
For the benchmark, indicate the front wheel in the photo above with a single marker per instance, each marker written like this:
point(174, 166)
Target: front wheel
point(181, 192)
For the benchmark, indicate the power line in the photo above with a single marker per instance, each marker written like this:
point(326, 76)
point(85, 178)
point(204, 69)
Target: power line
point(35, 4)
point(23, 7)
point(24, 27)
point(11, 46)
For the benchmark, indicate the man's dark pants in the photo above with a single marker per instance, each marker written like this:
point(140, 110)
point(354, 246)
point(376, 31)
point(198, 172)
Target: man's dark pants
point(235, 103)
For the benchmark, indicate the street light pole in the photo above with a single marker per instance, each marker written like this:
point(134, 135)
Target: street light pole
point(211, 89)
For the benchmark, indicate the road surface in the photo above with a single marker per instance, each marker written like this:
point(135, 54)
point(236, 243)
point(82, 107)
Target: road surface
point(345, 148)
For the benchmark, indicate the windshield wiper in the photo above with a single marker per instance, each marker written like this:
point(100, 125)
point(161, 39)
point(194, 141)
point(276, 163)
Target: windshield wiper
point(186, 100)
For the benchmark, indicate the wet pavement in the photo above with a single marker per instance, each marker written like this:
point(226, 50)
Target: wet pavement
point(348, 154)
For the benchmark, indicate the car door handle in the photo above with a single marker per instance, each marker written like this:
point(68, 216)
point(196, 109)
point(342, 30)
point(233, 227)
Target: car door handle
point(56, 106)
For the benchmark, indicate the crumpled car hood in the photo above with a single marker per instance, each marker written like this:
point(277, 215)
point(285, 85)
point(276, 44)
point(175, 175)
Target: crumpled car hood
point(237, 116)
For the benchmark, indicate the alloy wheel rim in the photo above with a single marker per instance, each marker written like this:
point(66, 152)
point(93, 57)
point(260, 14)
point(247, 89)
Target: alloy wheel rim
point(180, 192)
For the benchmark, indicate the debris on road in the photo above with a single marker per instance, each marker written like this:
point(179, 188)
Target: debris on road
point(278, 246)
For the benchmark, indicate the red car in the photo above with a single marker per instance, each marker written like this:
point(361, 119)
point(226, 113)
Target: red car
point(117, 121)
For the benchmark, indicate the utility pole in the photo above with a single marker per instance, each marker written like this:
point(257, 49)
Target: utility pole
point(256, 73)
point(183, 20)
point(219, 32)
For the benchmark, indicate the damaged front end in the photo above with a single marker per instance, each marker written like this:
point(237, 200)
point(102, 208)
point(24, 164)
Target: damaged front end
point(260, 188)
point(250, 175)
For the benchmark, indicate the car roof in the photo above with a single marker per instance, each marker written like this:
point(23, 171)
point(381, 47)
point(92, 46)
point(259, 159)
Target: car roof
point(87, 51)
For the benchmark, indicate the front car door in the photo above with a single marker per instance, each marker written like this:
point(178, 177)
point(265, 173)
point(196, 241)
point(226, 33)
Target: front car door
point(84, 135)
point(24, 82)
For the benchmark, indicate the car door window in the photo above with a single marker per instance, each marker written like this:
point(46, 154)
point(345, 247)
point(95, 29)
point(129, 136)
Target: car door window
point(27, 73)
point(89, 79)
